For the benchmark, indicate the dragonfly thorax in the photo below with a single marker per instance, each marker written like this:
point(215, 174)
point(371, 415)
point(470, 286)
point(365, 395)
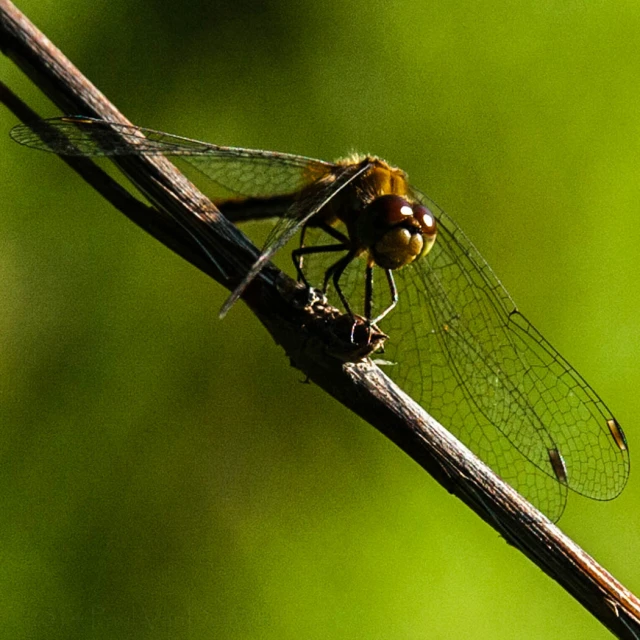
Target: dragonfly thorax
point(395, 231)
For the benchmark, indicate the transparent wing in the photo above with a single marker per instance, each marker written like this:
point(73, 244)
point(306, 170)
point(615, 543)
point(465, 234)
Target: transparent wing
point(307, 205)
point(470, 358)
point(246, 172)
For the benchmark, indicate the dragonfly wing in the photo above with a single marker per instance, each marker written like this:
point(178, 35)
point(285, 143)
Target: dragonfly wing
point(260, 176)
point(248, 172)
point(480, 366)
point(301, 211)
point(445, 368)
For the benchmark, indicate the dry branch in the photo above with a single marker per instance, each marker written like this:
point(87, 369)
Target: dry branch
point(311, 335)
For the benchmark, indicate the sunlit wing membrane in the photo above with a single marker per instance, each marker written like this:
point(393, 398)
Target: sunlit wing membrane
point(247, 172)
point(476, 363)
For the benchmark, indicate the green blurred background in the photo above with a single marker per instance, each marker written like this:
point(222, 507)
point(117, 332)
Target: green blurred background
point(167, 475)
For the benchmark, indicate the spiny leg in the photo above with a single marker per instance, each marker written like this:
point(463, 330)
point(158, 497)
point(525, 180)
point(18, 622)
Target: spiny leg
point(335, 272)
point(394, 297)
point(368, 292)
point(298, 254)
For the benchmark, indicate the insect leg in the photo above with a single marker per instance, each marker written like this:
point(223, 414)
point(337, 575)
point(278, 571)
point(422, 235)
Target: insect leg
point(368, 291)
point(394, 297)
point(335, 272)
point(298, 254)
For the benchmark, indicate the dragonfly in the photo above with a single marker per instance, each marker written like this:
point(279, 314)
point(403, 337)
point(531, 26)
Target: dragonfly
point(457, 343)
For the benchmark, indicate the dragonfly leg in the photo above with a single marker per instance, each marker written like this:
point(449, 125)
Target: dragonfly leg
point(334, 233)
point(298, 254)
point(298, 258)
point(394, 297)
point(368, 292)
point(334, 272)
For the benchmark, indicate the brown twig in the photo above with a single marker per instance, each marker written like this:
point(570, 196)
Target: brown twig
point(312, 335)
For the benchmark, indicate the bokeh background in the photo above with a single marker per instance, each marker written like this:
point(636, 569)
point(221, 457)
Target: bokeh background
point(168, 475)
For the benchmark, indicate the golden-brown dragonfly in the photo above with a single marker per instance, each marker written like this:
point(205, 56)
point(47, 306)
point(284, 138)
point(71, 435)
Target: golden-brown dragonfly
point(457, 342)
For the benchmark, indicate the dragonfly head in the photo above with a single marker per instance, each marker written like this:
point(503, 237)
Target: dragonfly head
point(395, 231)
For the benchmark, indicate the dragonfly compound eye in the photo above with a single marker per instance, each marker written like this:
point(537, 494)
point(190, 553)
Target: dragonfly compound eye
point(396, 232)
